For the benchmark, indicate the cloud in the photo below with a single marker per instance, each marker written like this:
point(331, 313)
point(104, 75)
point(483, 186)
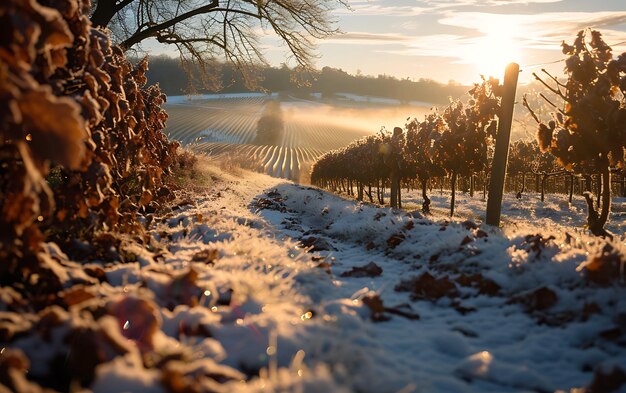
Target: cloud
point(389, 8)
point(364, 38)
point(486, 42)
point(537, 31)
point(384, 8)
point(457, 48)
point(437, 45)
point(371, 9)
point(554, 21)
point(483, 42)
point(469, 38)
point(523, 31)
point(543, 31)
point(458, 3)
point(410, 25)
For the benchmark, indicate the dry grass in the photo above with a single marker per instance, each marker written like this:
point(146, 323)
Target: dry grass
point(305, 172)
point(192, 172)
point(235, 163)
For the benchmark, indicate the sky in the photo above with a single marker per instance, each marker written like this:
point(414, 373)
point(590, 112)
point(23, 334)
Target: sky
point(448, 40)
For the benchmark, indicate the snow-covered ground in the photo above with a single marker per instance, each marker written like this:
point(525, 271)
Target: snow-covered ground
point(187, 99)
point(264, 285)
point(554, 213)
point(381, 100)
point(374, 100)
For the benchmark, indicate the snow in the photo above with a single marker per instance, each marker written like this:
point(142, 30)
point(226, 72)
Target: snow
point(211, 135)
point(126, 374)
point(381, 100)
point(349, 97)
point(258, 314)
point(188, 99)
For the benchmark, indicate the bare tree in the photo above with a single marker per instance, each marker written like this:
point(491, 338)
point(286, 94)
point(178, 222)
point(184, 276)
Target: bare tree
point(205, 32)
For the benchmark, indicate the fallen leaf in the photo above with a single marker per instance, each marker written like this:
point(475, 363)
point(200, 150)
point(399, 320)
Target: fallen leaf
point(316, 244)
point(538, 300)
point(607, 380)
point(375, 304)
point(324, 266)
point(395, 240)
point(606, 268)
point(183, 289)
point(76, 295)
point(208, 256)
point(138, 320)
point(427, 287)
point(466, 240)
point(369, 270)
point(468, 224)
point(485, 286)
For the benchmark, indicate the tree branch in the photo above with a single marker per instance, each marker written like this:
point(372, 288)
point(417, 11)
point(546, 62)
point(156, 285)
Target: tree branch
point(153, 30)
point(104, 12)
point(555, 91)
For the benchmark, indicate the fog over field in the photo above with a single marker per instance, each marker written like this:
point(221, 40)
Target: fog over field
point(226, 126)
point(366, 119)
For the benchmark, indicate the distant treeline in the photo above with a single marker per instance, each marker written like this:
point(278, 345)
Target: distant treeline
point(173, 80)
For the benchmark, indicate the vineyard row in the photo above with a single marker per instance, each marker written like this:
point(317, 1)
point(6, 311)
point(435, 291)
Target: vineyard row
point(584, 139)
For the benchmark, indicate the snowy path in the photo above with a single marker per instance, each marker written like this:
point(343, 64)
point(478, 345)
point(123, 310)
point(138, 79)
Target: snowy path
point(464, 342)
point(261, 286)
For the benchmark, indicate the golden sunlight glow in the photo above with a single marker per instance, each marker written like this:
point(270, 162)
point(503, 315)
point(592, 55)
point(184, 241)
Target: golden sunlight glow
point(497, 47)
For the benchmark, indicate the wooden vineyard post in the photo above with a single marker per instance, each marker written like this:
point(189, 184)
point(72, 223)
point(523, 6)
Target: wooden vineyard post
point(501, 153)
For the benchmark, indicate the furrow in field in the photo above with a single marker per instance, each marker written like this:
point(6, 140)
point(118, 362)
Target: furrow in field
point(273, 159)
point(279, 166)
point(264, 153)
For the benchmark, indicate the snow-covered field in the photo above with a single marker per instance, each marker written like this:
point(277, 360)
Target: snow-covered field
point(189, 99)
point(263, 285)
point(554, 213)
point(373, 100)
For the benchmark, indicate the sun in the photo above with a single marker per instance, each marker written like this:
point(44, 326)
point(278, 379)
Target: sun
point(493, 50)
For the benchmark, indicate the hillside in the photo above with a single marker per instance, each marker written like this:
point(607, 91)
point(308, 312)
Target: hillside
point(174, 79)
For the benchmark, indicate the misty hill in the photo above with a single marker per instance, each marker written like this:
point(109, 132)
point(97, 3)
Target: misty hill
point(173, 80)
